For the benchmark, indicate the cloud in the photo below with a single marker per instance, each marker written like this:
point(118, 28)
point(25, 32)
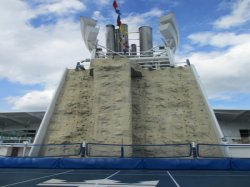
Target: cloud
point(103, 2)
point(169, 3)
point(32, 101)
point(239, 15)
point(140, 19)
point(187, 48)
point(97, 15)
point(59, 7)
point(39, 55)
point(225, 71)
point(35, 55)
point(221, 39)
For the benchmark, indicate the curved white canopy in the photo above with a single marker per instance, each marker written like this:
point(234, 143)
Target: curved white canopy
point(89, 32)
point(169, 30)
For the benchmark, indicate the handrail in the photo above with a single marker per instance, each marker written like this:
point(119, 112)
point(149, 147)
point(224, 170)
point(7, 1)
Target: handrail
point(133, 150)
point(226, 150)
point(44, 124)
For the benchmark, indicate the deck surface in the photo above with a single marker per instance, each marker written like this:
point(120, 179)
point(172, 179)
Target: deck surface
point(123, 178)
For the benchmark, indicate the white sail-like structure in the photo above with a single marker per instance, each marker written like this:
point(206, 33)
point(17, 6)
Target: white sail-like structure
point(89, 33)
point(169, 30)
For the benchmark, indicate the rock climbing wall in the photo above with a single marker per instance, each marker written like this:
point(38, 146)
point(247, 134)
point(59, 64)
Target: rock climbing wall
point(71, 120)
point(112, 103)
point(168, 108)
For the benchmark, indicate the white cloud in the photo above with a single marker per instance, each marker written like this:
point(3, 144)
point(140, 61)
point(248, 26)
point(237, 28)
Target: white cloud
point(46, 51)
point(155, 12)
point(104, 2)
point(224, 72)
point(187, 48)
point(31, 55)
point(170, 3)
point(97, 15)
point(240, 14)
point(223, 39)
point(60, 7)
point(140, 19)
point(32, 101)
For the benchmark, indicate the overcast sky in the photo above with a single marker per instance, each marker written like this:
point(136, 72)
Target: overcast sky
point(40, 38)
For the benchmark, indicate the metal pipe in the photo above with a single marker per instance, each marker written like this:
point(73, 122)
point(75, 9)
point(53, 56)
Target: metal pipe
point(110, 37)
point(146, 40)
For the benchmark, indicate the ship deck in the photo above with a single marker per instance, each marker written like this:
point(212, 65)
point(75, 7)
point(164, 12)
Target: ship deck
point(123, 178)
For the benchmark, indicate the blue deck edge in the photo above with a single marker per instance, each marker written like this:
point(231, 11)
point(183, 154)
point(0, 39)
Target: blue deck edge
point(126, 163)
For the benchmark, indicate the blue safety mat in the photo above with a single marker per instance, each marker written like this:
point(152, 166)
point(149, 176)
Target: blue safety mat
point(126, 163)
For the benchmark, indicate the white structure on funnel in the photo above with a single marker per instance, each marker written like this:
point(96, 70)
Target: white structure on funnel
point(161, 58)
point(169, 30)
point(89, 34)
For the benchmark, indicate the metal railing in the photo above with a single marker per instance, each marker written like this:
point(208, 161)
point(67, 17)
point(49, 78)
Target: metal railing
point(237, 140)
point(128, 151)
point(46, 150)
point(154, 58)
point(16, 139)
point(152, 151)
point(223, 150)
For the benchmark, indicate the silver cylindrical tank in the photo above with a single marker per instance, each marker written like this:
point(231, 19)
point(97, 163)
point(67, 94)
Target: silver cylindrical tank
point(110, 38)
point(124, 38)
point(133, 49)
point(117, 41)
point(146, 40)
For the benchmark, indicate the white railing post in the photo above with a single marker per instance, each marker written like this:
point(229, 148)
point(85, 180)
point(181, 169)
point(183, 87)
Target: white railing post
point(25, 144)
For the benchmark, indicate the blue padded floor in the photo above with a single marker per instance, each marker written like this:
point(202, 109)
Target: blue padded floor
point(123, 178)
